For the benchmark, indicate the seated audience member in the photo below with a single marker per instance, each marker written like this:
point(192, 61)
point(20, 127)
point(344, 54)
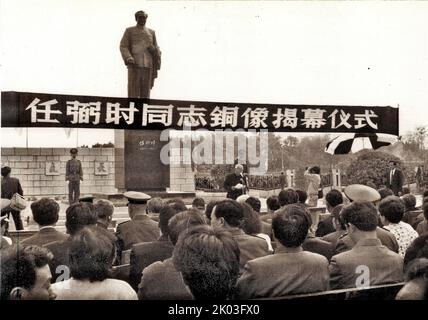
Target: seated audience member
point(160, 280)
point(229, 214)
point(177, 204)
point(45, 214)
point(145, 253)
point(209, 209)
point(385, 192)
point(154, 205)
point(317, 245)
point(104, 210)
point(199, 204)
point(358, 192)
point(91, 259)
point(25, 273)
point(254, 203)
point(208, 259)
point(140, 228)
point(391, 211)
point(272, 204)
point(5, 241)
point(290, 270)
point(303, 196)
point(252, 225)
point(338, 224)
point(422, 227)
point(77, 216)
point(416, 287)
point(418, 249)
point(287, 196)
point(379, 264)
point(411, 215)
point(333, 198)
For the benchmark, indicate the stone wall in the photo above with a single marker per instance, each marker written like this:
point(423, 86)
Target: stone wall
point(29, 166)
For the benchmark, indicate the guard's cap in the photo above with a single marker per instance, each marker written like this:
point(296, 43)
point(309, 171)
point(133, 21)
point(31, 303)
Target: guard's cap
point(73, 150)
point(137, 197)
point(89, 199)
point(360, 192)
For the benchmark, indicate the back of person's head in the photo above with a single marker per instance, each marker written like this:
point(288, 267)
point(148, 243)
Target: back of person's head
point(45, 211)
point(154, 205)
point(254, 203)
point(251, 223)
point(303, 195)
point(165, 214)
point(177, 204)
point(334, 197)
point(425, 210)
point(417, 269)
point(406, 190)
point(19, 272)
point(392, 208)
point(183, 221)
point(385, 192)
point(198, 203)
point(409, 201)
point(104, 209)
point(291, 225)
point(208, 259)
point(5, 171)
point(79, 215)
point(418, 249)
point(337, 216)
point(231, 211)
point(288, 196)
point(209, 208)
point(316, 170)
point(272, 203)
point(361, 214)
point(91, 255)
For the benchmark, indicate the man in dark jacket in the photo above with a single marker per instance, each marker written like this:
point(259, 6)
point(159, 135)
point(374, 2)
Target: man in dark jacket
point(10, 186)
point(395, 178)
point(236, 183)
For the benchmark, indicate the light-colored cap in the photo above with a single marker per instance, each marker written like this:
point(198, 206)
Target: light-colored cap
point(137, 197)
point(360, 192)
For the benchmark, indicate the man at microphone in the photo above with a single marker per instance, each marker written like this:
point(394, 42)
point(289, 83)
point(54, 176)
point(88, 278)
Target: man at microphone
point(236, 183)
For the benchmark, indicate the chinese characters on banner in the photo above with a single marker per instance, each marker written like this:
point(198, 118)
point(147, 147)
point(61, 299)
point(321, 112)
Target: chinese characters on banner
point(50, 110)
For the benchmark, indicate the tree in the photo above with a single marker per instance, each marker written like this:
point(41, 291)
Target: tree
point(370, 168)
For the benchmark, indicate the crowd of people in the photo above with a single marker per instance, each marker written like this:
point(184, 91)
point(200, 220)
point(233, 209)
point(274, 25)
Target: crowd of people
point(226, 249)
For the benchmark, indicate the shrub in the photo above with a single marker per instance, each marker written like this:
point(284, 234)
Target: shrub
point(370, 168)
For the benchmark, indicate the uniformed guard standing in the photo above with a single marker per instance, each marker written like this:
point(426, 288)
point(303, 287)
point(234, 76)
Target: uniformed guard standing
point(73, 174)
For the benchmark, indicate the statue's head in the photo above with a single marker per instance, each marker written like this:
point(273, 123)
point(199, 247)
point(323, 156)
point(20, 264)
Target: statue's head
point(141, 17)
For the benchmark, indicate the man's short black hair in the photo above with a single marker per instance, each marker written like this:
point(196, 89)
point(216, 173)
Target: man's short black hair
point(303, 195)
point(418, 249)
point(290, 225)
point(79, 215)
point(209, 208)
point(165, 214)
point(385, 192)
point(177, 204)
point(5, 171)
point(406, 190)
point(91, 256)
point(334, 197)
point(409, 201)
point(272, 203)
point(73, 151)
point(18, 267)
point(208, 259)
point(198, 202)
point(251, 223)
point(155, 205)
point(254, 203)
point(362, 214)
point(103, 209)
point(231, 211)
point(288, 196)
point(392, 208)
point(183, 221)
point(45, 211)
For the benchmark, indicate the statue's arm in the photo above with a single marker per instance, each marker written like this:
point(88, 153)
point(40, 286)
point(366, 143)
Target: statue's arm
point(124, 47)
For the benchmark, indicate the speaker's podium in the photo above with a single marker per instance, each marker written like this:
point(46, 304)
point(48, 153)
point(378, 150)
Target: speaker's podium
point(138, 165)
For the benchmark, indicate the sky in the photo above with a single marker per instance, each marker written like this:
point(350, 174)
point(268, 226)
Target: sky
point(339, 53)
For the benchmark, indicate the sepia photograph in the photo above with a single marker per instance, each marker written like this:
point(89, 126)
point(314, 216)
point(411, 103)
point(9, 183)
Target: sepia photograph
point(236, 151)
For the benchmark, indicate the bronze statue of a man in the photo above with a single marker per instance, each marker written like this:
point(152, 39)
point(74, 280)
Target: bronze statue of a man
point(141, 55)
